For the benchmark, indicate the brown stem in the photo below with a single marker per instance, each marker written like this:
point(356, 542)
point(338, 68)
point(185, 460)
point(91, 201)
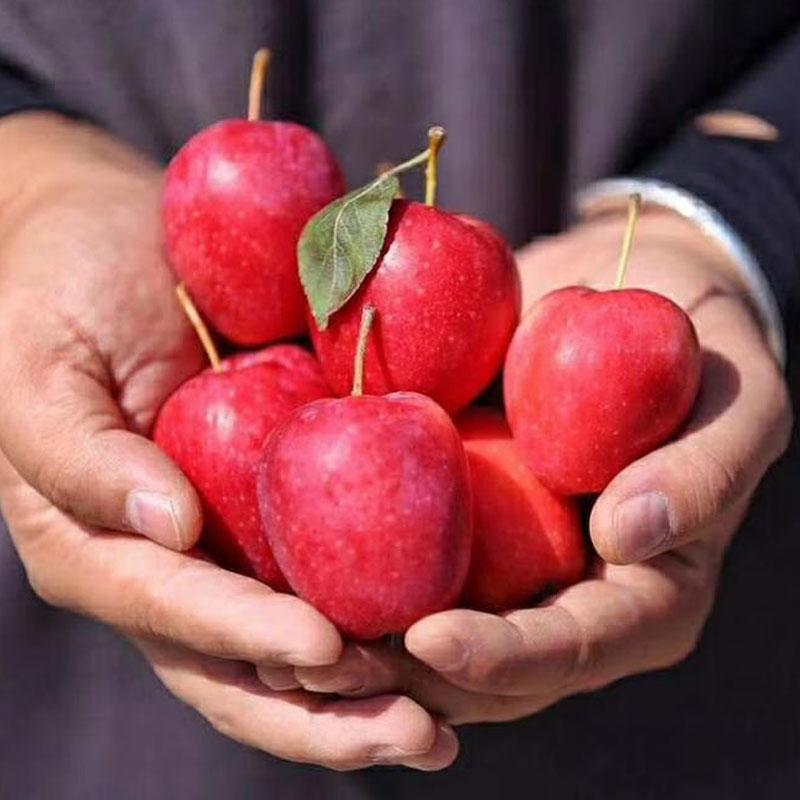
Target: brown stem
point(634, 206)
point(199, 326)
point(258, 77)
point(367, 317)
point(436, 138)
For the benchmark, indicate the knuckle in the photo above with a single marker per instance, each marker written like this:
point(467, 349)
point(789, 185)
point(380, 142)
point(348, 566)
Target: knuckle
point(156, 607)
point(714, 482)
point(418, 732)
point(579, 662)
point(50, 569)
point(160, 609)
point(497, 668)
point(54, 479)
point(489, 671)
point(62, 477)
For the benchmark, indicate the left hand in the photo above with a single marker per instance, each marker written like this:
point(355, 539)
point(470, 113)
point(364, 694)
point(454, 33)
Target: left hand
point(644, 607)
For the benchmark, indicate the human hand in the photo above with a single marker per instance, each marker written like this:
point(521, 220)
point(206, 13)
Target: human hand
point(93, 341)
point(645, 606)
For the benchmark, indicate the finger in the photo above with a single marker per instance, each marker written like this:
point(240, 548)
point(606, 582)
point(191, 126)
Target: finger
point(340, 734)
point(279, 679)
point(375, 669)
point(591, 634)
point(65, 435)
point(740, 425)
point(149, 591)
point(361, 670)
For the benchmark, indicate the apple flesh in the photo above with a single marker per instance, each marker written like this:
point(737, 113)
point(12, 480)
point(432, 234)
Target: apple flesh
point(526, 539)
point(447, 295)
point(366, 504)
point(236, 198)
point(214, 427)
point(595, 380)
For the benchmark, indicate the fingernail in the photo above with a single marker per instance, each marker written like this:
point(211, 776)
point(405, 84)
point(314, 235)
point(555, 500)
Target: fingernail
point(445, 654)
point(441, 755)
point(153, 515)
point(303, 660)
point(279, 680)
point(339, 683)
point(642, 525)
point(390, 754)
point(349, 683)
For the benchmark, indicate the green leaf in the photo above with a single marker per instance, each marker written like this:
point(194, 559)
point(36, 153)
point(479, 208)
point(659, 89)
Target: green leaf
point(341, 243)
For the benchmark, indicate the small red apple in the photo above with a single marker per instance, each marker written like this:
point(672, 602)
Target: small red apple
point(367, 507)
point(236, 197)
point(526, 539)
point(214, 427)
point(595, 380)
point(447, 292)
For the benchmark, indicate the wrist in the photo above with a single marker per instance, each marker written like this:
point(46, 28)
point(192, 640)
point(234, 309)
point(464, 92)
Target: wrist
point(724, 248)
point(663, 226)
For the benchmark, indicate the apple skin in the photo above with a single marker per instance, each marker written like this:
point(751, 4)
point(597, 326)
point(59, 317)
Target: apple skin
point(214, 427)
point(595, 380)
point(447, 296)
point(525, 538)
point(366, 504)
point(236, 197)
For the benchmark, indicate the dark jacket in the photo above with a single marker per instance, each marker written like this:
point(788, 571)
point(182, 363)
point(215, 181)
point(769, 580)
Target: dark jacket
point(539, 97)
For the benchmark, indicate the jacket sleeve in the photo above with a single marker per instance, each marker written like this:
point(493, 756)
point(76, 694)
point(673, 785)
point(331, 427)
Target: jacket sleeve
point(754, 185)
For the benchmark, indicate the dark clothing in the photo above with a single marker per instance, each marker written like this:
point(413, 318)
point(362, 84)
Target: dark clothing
point(756, 187)
point(539, 97)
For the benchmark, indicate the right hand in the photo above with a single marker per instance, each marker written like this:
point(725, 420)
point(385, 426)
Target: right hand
point(92, 343)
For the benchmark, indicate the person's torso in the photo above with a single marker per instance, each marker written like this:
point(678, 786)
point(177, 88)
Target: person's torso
point(538, 96)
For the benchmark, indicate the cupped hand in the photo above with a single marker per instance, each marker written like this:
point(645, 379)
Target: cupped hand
point(93, 342)
point(661, 526)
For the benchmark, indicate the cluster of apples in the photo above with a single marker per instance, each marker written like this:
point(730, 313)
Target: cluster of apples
point(359, 476)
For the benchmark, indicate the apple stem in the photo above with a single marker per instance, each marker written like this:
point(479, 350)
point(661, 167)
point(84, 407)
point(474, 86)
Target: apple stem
point(200, 327)
point(258, 77)
point(418, 159)
point(634, 206)
point(436, 138)
point(367, 317)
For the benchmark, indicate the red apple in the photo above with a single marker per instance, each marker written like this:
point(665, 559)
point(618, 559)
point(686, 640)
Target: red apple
point(214, 427)
point(526, 539)
point(236, 198)
point(595, 380)
point(447, 294)
point(366, 504)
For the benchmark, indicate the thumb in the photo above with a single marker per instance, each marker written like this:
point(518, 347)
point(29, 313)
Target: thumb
point(740, 426)
point(65, 435)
